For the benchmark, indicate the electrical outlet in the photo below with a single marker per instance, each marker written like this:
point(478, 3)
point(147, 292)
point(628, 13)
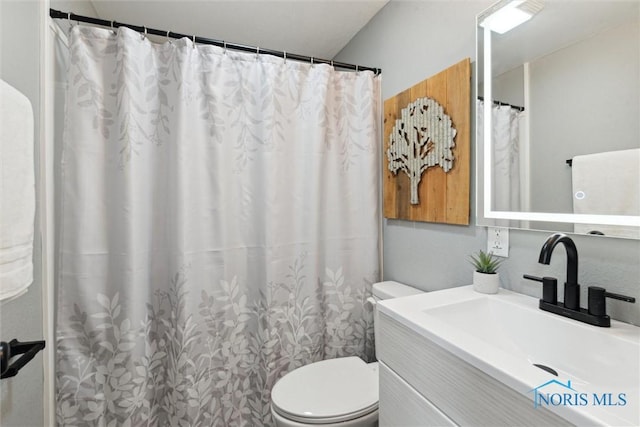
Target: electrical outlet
point(498, 241)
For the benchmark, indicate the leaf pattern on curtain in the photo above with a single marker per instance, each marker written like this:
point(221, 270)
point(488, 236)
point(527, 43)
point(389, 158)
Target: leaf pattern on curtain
point(213, 367)
point(506, 154)
point(219, 229)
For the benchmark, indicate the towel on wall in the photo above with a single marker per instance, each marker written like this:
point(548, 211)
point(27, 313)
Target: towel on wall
point(17, 192)
point(607, 184)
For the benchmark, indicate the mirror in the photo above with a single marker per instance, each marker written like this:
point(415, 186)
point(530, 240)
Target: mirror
point(567, 157)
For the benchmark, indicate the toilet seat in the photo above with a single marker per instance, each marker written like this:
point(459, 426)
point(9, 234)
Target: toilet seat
point(330, 391)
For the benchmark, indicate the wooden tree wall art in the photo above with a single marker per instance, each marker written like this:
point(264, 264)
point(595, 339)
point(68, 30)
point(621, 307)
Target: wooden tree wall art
point(427, 149)
point(421, 138)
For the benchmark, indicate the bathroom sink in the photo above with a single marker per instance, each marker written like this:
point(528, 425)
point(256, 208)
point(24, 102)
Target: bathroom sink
point(585, 374)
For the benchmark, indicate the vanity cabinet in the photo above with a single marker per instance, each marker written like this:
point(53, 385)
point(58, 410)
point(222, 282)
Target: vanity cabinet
point(402, 405)
point(422, 384)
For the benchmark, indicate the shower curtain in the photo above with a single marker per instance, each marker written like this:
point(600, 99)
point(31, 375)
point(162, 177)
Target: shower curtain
point(507, 180)
point(220, 227)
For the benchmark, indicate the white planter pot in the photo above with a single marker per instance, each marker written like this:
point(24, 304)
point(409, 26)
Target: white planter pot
point(486, 283)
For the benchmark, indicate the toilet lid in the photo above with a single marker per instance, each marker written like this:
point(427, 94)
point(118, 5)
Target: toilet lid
point(332, 390)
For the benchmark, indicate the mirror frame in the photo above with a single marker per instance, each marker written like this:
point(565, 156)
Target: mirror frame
point(484, 160)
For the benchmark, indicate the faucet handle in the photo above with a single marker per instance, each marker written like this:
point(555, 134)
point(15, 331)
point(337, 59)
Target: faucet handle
point(549, 287)
point(597, 305)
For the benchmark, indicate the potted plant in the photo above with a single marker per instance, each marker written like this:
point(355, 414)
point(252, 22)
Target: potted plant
point(486, 278)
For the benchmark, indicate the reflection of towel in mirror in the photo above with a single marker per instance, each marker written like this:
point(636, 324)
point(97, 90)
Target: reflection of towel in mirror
point(607, 184)
point(17, 192)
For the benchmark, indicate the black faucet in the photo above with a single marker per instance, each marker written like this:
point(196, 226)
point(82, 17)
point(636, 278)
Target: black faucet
point(596, 313)
point(571, 286)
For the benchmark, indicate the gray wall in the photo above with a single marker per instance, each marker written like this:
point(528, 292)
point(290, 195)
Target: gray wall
point(509, 87)
point(21, 396)
point(410, 41)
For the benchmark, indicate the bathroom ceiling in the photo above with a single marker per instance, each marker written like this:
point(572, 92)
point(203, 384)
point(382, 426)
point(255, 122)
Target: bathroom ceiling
point(319, 28)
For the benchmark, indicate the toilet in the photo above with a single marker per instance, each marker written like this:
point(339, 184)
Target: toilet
point(336, 392)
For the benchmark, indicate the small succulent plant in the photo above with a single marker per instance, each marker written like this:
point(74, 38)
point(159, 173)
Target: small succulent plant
point(485, 262)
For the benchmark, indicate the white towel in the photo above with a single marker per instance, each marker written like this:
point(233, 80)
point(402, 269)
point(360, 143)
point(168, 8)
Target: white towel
point(607, 184)
point(17, 192)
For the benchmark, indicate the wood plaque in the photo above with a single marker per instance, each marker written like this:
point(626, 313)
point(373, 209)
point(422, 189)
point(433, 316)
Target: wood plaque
point(443, 196)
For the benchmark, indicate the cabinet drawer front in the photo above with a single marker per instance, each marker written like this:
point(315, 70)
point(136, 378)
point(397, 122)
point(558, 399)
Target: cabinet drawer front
point(402, 406)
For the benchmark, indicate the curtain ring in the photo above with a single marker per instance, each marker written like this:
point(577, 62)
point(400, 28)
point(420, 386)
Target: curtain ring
point(112, 28)
point(193, 39)
point(145, 33)
point(357, 69)
point(332, 63)
point(169, 37)
point(71, 23)
point(285, 56)
point(224, 45)
point(312, 61)
point(257, 53)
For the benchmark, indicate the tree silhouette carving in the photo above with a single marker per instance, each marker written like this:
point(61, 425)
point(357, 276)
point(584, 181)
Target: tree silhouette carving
point(422, 137)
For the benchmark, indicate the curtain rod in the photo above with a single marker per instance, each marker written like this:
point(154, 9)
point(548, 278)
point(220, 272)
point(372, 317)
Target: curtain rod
point(56, 14)
point(504, 103)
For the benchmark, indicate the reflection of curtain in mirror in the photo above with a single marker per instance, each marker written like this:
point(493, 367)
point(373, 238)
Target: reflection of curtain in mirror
point(507, 179)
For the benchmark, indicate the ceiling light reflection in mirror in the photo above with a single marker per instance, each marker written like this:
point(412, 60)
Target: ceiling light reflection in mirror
point(508, 14)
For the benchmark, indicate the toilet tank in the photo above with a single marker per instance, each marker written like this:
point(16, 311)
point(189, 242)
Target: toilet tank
point(391, 289)
point(388, 290)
